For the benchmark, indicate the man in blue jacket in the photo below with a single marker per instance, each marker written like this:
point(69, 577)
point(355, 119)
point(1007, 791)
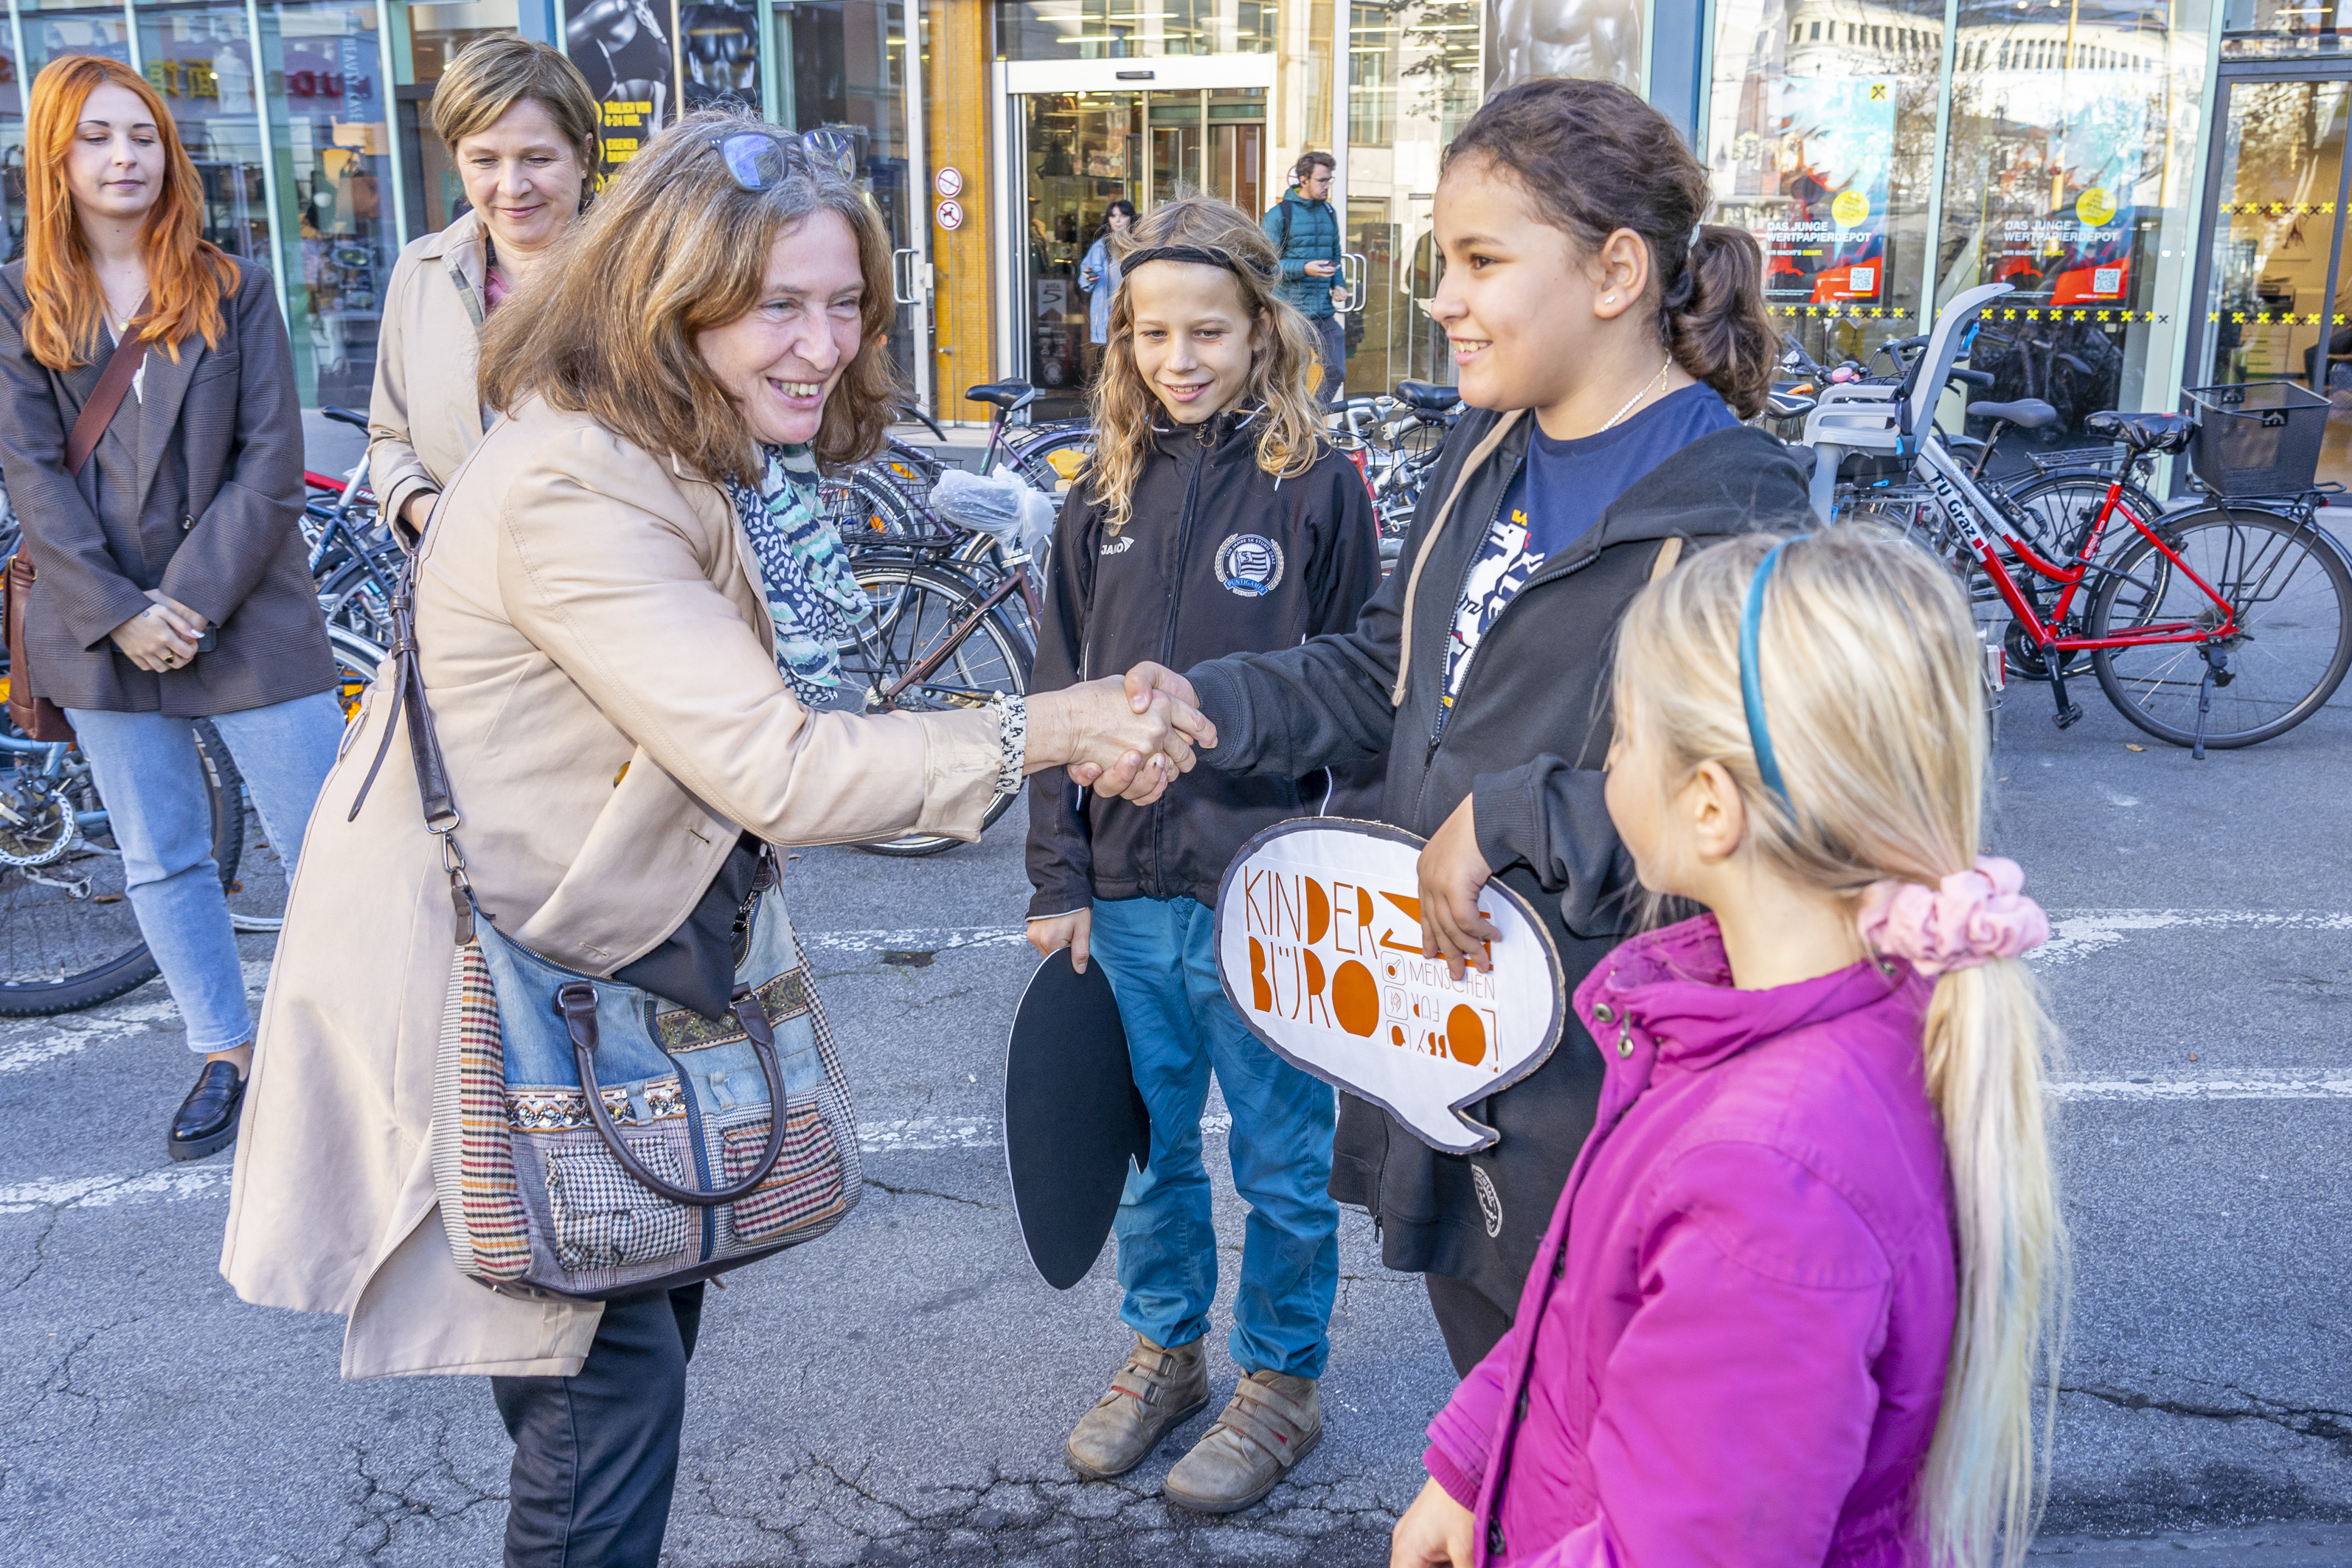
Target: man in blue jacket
point(1306, 230)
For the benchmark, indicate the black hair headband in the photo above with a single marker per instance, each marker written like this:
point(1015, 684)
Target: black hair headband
point(1199, 254)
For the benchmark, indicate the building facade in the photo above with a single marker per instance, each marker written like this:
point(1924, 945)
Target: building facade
point(2162, 181)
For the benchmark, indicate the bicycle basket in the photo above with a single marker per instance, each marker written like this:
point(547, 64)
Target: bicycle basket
point(2256, 437)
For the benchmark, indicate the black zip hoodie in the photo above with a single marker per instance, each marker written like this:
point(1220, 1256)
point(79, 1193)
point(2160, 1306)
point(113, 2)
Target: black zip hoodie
point(1217, 557)
point(1525, 739)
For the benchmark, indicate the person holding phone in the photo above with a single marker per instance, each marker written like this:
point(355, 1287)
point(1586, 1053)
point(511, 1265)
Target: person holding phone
point(171, 582)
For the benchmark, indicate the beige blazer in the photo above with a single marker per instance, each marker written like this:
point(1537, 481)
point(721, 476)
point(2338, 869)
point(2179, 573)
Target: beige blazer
point(427, 413)
point(601, 669)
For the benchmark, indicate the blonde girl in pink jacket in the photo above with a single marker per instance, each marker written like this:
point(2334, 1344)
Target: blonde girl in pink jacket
point(1796, 1297)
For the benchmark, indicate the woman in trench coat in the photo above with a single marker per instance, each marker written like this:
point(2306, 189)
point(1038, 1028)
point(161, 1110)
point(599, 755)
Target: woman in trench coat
point(521, 125)
point(622, 675)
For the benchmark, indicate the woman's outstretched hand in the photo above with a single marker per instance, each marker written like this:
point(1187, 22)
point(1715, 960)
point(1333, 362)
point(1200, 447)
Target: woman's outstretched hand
point(1116, 745)
point(1434, 1532)
point(1146, 684)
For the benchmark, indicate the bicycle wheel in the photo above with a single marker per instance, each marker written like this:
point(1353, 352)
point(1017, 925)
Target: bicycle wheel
point(69, 938)
point(2291, 593)
point(916, 610)
point(356, 659)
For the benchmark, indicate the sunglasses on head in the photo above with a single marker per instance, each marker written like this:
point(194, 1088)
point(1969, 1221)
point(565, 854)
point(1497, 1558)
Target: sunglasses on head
point(758, 159)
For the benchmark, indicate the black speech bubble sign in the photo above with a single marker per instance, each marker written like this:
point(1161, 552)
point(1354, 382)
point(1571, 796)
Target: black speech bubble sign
point(1074, 1118)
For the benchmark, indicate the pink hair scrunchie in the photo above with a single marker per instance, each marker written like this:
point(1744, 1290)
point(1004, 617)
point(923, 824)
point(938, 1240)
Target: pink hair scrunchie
point(1973, 916)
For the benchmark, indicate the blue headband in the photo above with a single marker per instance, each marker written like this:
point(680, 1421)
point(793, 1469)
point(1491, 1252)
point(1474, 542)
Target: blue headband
point(1751, 684)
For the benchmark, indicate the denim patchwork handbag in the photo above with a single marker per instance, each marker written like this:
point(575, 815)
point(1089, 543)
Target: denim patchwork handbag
point(590, 1139)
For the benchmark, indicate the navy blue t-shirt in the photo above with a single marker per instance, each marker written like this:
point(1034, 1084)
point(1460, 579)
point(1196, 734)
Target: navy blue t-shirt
point(1560, 492)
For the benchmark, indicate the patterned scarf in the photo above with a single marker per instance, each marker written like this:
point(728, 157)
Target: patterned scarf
point(812, 595)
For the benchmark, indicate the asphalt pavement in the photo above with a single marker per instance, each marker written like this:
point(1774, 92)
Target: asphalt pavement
point(898, 1393)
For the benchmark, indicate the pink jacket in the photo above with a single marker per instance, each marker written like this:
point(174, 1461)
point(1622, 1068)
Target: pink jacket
point(1731, 1349)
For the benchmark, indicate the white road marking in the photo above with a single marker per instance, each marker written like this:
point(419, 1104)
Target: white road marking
point(915, 939)
point(2074, 932)
point(72, 1032)
point(104, 1192)
point(2220, 1083)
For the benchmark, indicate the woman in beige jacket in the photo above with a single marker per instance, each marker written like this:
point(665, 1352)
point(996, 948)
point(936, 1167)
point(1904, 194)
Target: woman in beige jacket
point(520, 123)
point(614, 608)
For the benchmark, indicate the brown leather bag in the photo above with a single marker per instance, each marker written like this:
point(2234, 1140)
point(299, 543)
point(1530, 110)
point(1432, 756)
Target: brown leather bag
point(36, 716)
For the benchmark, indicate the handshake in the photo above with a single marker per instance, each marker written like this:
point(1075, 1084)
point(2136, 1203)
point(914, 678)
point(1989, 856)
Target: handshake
point(1125, 736)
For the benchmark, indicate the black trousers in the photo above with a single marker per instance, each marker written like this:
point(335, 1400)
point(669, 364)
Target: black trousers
point(1472, 1323)
point(596, 1453)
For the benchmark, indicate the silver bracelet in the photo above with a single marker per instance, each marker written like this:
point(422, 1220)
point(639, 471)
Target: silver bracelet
point(1013, 737)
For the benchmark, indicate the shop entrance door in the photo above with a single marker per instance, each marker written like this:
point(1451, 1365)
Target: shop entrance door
point(2273, 279)
point(1079, 144)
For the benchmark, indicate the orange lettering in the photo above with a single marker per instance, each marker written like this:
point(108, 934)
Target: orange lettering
point(1356, 999)
point(1261, 995)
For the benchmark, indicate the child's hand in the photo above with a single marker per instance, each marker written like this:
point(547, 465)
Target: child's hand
point(1055, 933)
point(1453, 868)
point(1434, 1532)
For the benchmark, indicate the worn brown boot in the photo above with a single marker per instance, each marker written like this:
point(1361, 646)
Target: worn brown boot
point(1156, 1392)
point(1274, 1421)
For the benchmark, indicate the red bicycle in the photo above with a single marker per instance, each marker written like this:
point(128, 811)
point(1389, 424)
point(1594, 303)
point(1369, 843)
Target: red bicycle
point(2221, 625)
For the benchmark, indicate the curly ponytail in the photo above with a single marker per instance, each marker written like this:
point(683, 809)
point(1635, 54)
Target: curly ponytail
point(1593, 158)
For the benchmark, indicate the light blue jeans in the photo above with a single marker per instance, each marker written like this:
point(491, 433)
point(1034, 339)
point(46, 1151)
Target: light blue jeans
point(153, 782)
point(1160, 955)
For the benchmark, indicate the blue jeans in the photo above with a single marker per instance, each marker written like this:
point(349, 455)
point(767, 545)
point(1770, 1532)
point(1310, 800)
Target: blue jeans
point(153, 782)
point(1160, 955)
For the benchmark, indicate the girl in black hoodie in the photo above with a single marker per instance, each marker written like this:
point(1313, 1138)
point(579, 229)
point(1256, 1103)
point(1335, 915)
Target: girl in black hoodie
point(1608, 343)
point(1213, 519)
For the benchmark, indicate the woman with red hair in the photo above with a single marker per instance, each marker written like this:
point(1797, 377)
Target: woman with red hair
point(159, 497)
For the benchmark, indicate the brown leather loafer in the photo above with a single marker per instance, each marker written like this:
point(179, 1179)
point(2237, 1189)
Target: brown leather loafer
point(1156, 1392)
point(1274, 1421)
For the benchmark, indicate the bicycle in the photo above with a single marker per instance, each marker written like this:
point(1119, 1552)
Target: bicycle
point(2224, 624)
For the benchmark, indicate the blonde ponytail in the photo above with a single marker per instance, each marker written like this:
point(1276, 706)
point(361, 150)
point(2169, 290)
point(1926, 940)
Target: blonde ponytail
point(1988, 1050)
point(1868, 666)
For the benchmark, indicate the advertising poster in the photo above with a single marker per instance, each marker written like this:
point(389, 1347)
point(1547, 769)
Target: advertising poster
point(624, 49)
point(721, 47)
point(1828, 146)
point(2067, 172)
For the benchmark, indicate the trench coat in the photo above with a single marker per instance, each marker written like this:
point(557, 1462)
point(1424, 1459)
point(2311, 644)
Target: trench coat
point(601, 669)
point(425, 413)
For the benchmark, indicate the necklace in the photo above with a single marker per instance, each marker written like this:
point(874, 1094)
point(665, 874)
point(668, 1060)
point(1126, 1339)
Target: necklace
point(1618, 417)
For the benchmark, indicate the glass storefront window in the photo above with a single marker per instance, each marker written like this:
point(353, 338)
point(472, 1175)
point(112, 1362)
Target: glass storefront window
point(200, 58)
point(1132, 29)
point(436, 35)
point(332, 141)
point(2276, 284)
point(1820, 142)
point(12, 142)
point(1413, 80)
point(2072, 131)
point(436, 32)
point(846, 64)
point(2258, 29)
point(1086, 150)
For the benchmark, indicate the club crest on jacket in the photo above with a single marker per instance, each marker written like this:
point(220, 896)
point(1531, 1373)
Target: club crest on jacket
point(1249, 564)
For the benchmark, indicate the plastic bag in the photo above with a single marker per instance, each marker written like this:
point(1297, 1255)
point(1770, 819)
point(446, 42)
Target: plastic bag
point(1002, 504)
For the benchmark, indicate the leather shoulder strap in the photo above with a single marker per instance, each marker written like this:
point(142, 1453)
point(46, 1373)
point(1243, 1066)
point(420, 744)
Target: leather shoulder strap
point(122, 365)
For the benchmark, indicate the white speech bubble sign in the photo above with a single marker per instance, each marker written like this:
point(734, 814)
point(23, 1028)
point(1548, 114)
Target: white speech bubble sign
point(1318, 945)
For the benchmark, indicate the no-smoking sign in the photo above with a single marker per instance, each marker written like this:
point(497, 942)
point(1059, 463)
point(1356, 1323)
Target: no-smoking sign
point(949, 181)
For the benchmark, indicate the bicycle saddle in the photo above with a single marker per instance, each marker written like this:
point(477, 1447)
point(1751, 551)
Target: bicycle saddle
point(1427, 398)
point(2143, 432)
point(346, 416)
point(1009, 395)
point(2026, 413)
